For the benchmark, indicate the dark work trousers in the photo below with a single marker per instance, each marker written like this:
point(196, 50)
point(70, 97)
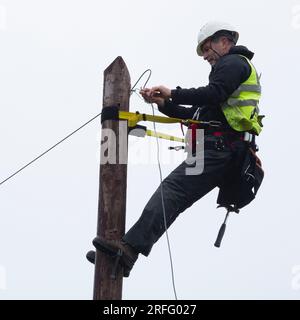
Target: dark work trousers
point(180, 191)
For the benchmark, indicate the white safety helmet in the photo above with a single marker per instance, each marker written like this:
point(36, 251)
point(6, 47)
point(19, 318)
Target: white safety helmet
point(210, 28)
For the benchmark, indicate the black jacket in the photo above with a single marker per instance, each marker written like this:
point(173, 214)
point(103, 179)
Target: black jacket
point(225, 77)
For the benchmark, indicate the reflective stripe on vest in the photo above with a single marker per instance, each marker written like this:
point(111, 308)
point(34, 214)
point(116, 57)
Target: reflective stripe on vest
point(241, 109)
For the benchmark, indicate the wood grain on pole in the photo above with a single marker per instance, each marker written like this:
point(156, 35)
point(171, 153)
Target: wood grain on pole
point(113, 183)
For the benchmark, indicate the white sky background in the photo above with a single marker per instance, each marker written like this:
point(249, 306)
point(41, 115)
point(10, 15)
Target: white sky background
point(53, 54)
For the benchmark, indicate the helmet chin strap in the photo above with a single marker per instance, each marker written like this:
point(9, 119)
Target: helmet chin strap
point(216, 52)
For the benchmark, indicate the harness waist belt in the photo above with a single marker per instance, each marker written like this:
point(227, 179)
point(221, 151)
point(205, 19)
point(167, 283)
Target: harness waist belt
point(244, 136)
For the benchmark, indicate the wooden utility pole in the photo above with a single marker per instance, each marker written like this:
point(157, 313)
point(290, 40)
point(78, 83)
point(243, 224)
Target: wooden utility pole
point(113, 182)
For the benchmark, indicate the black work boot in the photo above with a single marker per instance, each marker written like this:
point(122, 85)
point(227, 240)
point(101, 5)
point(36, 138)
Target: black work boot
point(91, 256)
point(114, 248)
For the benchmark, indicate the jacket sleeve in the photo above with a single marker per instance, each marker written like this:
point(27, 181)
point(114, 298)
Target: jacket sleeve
point(229, 72)
point(173, 110)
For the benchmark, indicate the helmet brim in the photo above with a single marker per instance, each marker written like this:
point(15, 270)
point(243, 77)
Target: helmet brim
point(199, 50)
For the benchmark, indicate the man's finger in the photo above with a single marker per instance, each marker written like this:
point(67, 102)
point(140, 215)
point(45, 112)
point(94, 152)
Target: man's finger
point(155, 93)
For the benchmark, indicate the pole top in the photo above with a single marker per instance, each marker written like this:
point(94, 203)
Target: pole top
point(117, 65)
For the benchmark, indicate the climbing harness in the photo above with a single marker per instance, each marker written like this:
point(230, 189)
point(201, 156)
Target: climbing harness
point(113, 113)
point(133, 118)
point(215, 129)
point(143, 131)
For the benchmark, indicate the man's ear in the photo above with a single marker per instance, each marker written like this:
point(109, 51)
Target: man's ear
point(224, 41)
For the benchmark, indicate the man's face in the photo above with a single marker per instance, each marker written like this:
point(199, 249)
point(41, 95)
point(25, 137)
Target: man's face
point(210, 55)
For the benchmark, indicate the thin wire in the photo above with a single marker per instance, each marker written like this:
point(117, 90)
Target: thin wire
point(69, 135)
point(161, 180)
point(149, 76)
point(55, 145)
point(159, 166)
point(163, 207)
point(138, 95)
point(161, 186)
point(142, 98)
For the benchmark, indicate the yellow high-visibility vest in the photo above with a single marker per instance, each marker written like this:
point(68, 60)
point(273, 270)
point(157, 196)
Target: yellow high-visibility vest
point(241, 109)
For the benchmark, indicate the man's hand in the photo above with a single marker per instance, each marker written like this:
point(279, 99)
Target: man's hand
point(161, 91)
point(149, 97)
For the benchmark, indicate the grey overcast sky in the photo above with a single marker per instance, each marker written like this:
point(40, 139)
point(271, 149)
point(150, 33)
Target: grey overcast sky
point(53, 54)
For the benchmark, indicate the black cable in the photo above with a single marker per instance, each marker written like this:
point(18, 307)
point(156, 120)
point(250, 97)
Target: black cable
point(42, 154)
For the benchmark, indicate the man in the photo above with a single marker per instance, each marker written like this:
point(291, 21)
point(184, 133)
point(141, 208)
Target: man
point(231, 101)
